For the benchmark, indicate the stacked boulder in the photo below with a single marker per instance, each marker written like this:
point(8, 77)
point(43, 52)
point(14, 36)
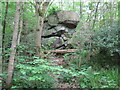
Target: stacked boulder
point(58, 29)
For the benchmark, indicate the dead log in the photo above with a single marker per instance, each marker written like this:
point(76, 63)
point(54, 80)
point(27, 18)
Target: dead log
point(61, 51)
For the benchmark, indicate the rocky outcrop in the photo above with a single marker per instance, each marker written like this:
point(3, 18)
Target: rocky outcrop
point(58, 28)
point(68, 18)
point(63, 17)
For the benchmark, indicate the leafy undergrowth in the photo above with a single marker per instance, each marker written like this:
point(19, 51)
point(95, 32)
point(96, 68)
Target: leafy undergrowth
point(93, 73)
point(42, 73)
point(37, 74)
point(89, 78)
point(102, 78)
point(66, 78)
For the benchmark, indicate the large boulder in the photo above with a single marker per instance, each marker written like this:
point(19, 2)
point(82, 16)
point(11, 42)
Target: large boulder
point(67, 15)
point(59, 28)
point(68, 18)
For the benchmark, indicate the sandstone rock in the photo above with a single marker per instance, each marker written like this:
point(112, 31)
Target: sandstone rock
point(48, 32)
point(68, 17)
point(52, 42)
point(48, 41)
point(56, 31)
point(53, 20)
point(46, 26)
point(59, 28)
point(57, 43)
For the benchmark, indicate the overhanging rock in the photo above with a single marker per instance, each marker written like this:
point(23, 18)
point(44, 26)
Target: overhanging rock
point(59, 26)
point(68, 18)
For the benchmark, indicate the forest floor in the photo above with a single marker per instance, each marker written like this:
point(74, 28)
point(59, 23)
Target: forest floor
point(60, 62)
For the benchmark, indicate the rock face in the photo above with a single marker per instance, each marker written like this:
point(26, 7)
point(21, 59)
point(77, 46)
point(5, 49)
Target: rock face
point(68, 18)
point(58, 28)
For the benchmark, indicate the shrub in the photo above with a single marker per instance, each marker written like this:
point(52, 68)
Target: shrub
point(37, 74)
point(99, 79)
point(83, 42)
point(52, 10)
point(33, 74)
point(107, 40)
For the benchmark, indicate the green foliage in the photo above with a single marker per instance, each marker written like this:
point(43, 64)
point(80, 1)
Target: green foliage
point(52, 10)
point(107, 39)
point(99, 79)
point(99, 73)
point(66, 78)
point(36, 74)
point(33, 74)
point(83, 42)
point(82, 38)
point(75, 59)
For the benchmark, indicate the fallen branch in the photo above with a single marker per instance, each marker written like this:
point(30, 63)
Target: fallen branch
point(61, 51)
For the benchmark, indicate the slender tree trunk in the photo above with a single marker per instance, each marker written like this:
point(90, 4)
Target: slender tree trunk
point(38, 35)
point(73, 5)
point(80, 9)
point(95, 15)
point(19, 34)
point(38, 29)
point(3, 37)
point(1, 79)
point(118, 61)
point(21, 24)
point(25, 30)
point(13, 47)
point(40, 13)
point(119, 14)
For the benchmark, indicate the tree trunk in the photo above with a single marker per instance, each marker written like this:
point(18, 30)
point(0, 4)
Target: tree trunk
point(40, 13)
point(119, 39)
point(13, 47)
point(38, 29)
point(0, 56)
point(21, 25)
point(95, 15)
point(38, 35)
point(73, 5)
point(119, 14)
point(80, 9)
point(3, 37)
point(19, 34)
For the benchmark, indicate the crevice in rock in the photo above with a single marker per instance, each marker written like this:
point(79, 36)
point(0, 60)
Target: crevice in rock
point(58, 34)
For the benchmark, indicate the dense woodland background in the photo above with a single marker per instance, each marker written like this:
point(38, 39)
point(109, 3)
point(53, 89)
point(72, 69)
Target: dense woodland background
point(89, 57)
